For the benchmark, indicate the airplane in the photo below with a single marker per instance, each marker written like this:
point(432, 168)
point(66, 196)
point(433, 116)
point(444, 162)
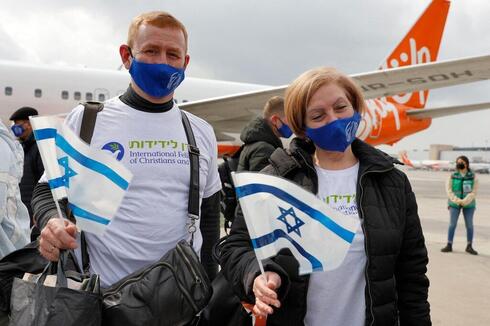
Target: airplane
point(441, 165)
point(436, 165)
point(396, 94)
point(480, 167)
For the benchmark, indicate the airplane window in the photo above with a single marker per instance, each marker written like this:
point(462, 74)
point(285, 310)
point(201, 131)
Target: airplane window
point(176, 101)
point(183, 101)
point(38, 92)
point(8, 90)
point(101, 97)
point(77, 96)
point(89, 96)
point(64, 95)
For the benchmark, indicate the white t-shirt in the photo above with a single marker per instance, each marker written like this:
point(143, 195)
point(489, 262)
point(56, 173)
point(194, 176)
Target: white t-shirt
point(336, 298)
point(153, 214)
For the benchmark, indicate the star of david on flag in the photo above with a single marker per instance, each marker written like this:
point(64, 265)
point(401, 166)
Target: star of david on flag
point(297, 222)
point(94, 182)
point(280, 214)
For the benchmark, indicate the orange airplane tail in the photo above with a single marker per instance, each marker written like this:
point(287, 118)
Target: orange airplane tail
point(420, 45)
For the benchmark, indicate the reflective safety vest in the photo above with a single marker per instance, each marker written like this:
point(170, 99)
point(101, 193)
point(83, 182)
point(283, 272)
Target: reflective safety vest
point(461, 186)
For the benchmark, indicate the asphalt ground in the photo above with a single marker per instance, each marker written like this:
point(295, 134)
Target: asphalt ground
point(459, 291)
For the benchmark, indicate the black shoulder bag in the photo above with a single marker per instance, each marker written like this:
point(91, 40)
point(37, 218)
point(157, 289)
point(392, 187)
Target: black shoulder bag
point(175, 289)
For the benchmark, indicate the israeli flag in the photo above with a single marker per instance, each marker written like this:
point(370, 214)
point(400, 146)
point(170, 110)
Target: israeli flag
point(93, 181)
point(280, 214)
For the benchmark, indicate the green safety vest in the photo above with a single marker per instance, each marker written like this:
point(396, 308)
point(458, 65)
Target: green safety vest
point(462, 185)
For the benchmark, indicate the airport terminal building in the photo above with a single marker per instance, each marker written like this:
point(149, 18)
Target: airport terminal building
point(450, 153)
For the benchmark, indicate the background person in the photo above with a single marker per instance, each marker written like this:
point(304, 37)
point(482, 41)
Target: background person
point(33, 165)
point(261, 136)
point(461, 189)
point(14, 218)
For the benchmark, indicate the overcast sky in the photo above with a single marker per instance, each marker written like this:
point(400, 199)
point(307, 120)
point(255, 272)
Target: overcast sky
point(265, 42)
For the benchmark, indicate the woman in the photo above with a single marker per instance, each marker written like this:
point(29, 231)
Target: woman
point(461, 189)
point(382, 280)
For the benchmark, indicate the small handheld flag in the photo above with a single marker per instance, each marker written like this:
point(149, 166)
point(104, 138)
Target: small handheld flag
point(94, 182)
point(280, 214)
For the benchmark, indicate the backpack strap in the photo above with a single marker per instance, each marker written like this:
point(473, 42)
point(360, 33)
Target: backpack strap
point(88, 120)
point(90, 111)
point(193, 204)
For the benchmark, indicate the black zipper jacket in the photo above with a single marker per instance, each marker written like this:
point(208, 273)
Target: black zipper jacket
point(396, 283)
point(259, 143)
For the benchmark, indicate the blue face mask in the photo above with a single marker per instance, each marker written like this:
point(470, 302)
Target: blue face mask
point(156, 79)
point(284, 130)
point(18, 130)
point(335, 136)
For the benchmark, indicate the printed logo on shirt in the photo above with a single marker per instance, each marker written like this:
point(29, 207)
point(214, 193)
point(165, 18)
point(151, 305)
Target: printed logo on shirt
point(158, 152)
point(343, 203)
point(116, 149)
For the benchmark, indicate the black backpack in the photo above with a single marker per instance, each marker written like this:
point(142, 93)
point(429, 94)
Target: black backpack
point(228, 196)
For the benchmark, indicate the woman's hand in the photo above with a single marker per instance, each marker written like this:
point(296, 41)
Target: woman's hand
point(264, 289)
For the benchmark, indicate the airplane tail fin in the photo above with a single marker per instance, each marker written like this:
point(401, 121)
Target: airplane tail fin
point(404, 158)
point(420, 45)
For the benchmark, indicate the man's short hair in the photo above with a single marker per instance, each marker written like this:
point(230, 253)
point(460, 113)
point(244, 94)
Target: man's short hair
point(274, 106)
point(159, 19)
point(23, 113)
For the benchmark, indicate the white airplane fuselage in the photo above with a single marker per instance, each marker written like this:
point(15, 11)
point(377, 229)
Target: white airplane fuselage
point(56, 90)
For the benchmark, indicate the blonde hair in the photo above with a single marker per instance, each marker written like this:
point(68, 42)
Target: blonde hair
point(160, 19)
point(299, 94)
point(275, 105)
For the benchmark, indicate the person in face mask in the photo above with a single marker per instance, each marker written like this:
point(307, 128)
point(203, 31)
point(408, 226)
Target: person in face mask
point(262, 136)
point(461, 189)
point(154, 212)
point(382, 280)
point(33, 165)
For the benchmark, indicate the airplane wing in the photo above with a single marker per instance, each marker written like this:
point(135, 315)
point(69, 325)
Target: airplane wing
point(445, 111)
point(228, 114)
point(407, 79)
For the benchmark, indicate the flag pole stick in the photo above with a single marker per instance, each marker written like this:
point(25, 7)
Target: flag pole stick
point(261, 267)
point(58, 208)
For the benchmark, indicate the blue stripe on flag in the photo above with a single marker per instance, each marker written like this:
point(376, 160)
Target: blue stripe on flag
point(278, 233)
point(56, 183)
point(46, 133)
point(87, 162)
point(79, 212)
point(253, 188)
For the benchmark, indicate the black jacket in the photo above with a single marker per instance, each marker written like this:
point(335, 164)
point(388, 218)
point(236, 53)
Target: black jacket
point(33, 170)
point(260, 142)
point(396, 284)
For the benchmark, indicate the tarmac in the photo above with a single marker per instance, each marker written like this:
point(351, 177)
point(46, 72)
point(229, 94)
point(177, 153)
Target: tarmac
point(459, 292)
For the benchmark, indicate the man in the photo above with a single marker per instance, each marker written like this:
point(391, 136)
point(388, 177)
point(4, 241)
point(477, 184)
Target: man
point(146, 127)
point(33, 165)
point(261, 136)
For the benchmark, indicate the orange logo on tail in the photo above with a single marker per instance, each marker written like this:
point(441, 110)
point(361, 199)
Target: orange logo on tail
point(420, 45)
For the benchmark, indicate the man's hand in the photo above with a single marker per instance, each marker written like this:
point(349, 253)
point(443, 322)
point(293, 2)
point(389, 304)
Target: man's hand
point(57, 234)
point(265, 295)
